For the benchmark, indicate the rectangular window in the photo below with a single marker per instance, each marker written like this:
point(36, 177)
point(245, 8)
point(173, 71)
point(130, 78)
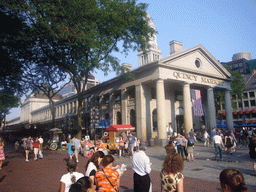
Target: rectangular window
point(246, 104)
point(251, 93)
point(240, 104)
point(252, 102)
point(245, 95)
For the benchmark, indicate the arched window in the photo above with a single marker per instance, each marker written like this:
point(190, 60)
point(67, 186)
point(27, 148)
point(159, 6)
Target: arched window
point(154, 119)
point(133, 118)
point(119, 118)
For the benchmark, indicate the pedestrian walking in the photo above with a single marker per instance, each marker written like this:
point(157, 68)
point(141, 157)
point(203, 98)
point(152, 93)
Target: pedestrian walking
point(141, 167)
point(107, 179)
point(218, 143)
point(228, 142)
point(70, 151)
point(206, 138)
point(252, 150)
point(121, 145)
point(71, 177)
point(2, 156)
point(131, 140)
point(41, 141)
point(77, 145)
point(232, 180)
point(36, 145)
point(16, 146)
point(190, 147)
point(212, 134)
point(171, 176)
point(28, 147)
point(92, 166)
point(233, 149)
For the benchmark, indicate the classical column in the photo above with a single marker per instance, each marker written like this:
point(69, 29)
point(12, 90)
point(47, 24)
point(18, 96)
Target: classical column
point(112, 99)
point(211, 108)
point(187, 106)
point(124, 106)
point(229, 116)
point(140, 113)
point(160, 103)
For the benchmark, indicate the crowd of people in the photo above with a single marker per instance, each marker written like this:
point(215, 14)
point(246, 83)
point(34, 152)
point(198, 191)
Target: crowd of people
point(101, 175)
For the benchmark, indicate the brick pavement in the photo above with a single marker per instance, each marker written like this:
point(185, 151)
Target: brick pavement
point(44, 174)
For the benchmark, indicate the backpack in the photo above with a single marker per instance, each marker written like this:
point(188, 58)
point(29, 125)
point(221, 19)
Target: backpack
point(191, 141)
point(81, 184)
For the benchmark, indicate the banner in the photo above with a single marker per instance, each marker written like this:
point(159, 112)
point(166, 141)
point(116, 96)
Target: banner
point(197, 104)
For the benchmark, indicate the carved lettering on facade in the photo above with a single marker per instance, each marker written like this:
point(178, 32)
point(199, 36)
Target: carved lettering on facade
point(180, 75)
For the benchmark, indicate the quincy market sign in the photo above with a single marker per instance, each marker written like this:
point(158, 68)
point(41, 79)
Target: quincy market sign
point(181, 75)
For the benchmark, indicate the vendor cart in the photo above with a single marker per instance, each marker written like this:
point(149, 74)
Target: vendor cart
point(113, 136)
point(55, 138)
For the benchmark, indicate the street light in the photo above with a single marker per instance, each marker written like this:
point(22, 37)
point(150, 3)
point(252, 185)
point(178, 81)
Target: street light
point(94, 120)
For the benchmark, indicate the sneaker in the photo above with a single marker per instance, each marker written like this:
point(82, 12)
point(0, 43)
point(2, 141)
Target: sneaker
point(77, 161)
point(35, 159)
point(27, 160)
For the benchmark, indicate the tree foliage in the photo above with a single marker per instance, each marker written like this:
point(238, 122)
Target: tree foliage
point(237, 89)
point(45, 79)
point(7, 101)
point(81, 36)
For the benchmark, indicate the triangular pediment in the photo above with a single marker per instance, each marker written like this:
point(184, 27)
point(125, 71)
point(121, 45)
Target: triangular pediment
point(196, 60)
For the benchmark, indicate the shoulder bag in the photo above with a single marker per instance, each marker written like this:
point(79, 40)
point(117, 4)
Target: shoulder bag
point(108, 180)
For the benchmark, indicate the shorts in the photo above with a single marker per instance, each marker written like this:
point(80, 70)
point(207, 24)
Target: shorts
point(76, 152)
point(121, 148)
point(131, 146)
point(36, 150)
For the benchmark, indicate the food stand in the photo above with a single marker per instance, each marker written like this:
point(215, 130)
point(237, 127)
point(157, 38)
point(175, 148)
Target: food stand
point(113, 143)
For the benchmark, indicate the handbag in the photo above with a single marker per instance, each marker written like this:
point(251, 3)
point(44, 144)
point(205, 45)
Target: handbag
point(108, 180)
point(73, 147)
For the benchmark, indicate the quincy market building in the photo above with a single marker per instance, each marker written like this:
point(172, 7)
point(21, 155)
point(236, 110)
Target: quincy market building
point(178, 89)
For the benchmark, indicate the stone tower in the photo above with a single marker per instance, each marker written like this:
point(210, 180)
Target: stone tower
point(154, 53)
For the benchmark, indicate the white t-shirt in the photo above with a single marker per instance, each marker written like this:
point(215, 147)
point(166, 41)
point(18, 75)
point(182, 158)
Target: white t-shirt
point(205, 135)
point(41, 140)
point(67, 179)
point(90, 168)
point(217, 139)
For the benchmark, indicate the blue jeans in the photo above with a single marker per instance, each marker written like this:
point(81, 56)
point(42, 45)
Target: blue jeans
point(218, 149)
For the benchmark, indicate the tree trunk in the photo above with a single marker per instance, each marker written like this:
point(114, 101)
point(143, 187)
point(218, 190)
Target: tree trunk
point(52, 108)
point(79, 115)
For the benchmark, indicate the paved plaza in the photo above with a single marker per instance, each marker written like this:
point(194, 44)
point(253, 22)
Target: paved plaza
point(44, 174)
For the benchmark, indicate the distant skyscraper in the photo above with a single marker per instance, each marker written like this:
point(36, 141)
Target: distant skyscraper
point(70, 89)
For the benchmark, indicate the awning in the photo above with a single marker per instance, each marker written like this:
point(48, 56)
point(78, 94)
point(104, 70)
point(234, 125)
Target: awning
point(240, 112)
point(253, 110)
point(247, 111)
point(103, 124)
point(120, 128)
point(224, 113)
point(235, 112)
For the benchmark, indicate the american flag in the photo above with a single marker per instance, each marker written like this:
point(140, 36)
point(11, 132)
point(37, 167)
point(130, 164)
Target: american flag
point(197, 104)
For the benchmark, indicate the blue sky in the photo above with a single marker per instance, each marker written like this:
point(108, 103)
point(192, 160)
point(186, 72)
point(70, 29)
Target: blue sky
point(223, 27)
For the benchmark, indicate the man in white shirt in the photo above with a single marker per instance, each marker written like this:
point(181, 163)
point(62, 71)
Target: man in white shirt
point(141, 168)
point(41, 141)
point(217, 140)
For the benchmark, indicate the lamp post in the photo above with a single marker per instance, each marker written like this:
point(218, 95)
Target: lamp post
point(94, 119)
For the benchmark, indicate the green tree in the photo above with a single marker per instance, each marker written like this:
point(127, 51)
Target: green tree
point(237, 86)
point(15, 45)
point(80, 35)
point(45, 79)
point(7, 101)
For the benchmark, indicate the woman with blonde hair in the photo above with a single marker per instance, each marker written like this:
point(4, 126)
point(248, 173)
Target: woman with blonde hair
point(171, 176)
point(232, 180)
